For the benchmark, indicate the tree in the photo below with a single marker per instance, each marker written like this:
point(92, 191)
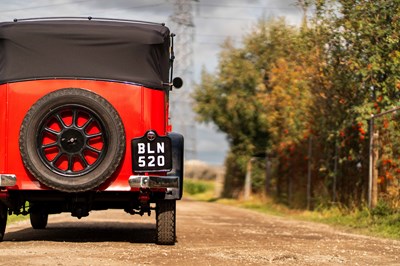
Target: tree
point(362, 66)
point(249, 84)
point(322, 79)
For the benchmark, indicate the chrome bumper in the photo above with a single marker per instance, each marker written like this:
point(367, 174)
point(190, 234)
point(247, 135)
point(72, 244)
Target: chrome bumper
point(170, 183)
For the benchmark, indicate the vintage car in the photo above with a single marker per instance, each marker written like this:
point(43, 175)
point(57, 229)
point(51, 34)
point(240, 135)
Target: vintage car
point(84, 118)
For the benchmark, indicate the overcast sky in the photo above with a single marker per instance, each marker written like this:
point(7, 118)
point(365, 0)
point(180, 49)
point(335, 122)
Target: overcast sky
point(213, 20)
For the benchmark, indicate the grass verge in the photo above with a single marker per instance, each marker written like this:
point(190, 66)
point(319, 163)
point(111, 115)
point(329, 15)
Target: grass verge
point(199, 189)
point(16, 218)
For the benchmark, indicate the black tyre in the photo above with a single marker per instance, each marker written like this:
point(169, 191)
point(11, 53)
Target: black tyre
point(166, 222)
point(72, 140)
point(3, 219)
point(39, 220)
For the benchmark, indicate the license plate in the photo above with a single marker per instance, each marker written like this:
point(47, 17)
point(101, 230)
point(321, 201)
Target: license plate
point(152, 155)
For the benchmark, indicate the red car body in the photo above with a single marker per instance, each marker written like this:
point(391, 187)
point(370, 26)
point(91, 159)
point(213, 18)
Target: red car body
point(147, 111)
point(84, 120)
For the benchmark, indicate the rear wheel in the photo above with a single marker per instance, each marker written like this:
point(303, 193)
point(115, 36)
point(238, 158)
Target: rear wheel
point(39, 220)
point(3, 219)
point(166, 222)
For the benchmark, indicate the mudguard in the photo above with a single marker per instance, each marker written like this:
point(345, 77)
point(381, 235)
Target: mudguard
point(177, 158)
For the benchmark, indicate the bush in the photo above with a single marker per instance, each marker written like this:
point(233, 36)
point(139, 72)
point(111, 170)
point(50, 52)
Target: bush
point(382, 209)
point(192, 187)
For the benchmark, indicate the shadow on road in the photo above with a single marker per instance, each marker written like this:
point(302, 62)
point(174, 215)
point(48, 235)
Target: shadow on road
point(87, 232)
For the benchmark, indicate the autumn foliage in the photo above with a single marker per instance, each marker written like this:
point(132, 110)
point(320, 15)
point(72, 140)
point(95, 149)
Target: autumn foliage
point(302, 97)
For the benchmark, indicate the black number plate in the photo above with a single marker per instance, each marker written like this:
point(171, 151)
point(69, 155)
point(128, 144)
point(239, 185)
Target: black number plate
point(151, 156)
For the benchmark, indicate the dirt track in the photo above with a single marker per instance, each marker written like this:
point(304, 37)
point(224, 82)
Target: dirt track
point(208, 234)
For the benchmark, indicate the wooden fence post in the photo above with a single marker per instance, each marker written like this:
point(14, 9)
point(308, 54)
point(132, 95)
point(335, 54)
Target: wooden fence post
point(247, 181)
point(309, 173)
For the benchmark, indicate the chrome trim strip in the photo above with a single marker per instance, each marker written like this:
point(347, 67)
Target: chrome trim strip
point(142, 181)
point(171, 183)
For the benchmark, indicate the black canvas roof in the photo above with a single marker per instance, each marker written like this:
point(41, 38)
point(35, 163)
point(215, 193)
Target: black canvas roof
point(94, 49)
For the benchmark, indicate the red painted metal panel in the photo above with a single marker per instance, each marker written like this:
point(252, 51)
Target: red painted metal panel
point(140, 109)
point(3, 127)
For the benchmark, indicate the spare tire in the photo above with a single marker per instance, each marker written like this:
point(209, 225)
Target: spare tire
point(72, 140)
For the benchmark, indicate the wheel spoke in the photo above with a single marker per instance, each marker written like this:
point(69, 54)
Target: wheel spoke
point(94, 135)
point(87, 123)
point(52, 131)
point(59, 118)
point(90, 148)
point(83, 159)
point(70, 163)
point(55, 159)
point(50, 145)
point(74, 117)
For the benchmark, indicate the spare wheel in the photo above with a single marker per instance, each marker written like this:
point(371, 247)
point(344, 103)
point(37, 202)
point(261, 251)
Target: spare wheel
point(72, 140)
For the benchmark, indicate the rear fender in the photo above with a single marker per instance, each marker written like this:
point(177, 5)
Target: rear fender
point(177, 142)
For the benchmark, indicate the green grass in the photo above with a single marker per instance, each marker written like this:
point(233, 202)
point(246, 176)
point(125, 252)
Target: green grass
point(381, 221)
point(15, 218)
point(371, 222)
point(199, 189)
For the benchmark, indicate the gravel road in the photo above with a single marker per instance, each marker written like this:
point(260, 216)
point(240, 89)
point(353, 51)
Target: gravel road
point(208, 234)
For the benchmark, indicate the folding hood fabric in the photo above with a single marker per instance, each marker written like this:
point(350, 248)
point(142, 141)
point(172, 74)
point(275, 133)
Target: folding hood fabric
point(89, 49)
